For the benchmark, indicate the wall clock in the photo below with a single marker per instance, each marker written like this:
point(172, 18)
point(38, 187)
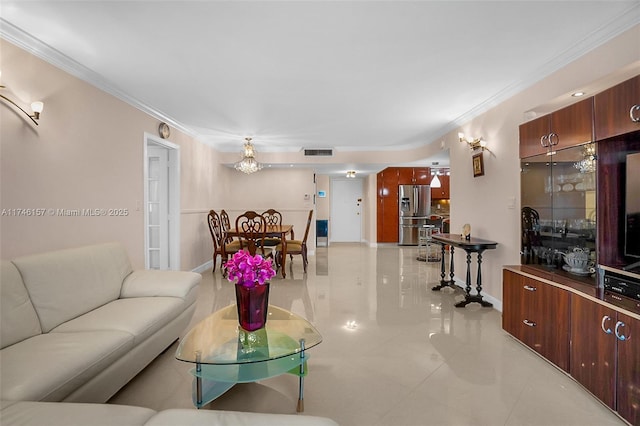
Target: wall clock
point(164, 130)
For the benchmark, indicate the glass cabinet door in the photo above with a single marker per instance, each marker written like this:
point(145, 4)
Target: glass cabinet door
point(558, 198)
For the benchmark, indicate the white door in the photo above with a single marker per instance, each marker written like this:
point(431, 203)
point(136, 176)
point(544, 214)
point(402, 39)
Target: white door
point(158, 207)
point(346, 210)
point(161, 205)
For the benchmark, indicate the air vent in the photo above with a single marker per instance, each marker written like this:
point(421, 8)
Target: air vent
point(318, 152)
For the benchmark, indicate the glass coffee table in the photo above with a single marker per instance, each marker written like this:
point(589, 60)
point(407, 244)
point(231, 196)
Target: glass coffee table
point(224, 354)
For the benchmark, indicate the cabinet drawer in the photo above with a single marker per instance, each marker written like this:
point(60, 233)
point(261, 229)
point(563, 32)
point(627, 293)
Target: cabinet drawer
point(538, 315)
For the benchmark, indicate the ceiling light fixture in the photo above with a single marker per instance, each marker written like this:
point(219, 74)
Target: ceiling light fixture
point(351, 174)
point(435, 182)
point(36, 107)
point(475, 143)
point(578, 94)
point(248, 164)
point(588, 162)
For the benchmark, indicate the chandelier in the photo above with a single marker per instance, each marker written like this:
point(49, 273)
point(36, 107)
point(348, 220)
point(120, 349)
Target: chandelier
point(248, 164)
point(588, 162)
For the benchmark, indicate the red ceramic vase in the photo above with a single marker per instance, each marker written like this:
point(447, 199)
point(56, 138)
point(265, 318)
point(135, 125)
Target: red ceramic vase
point(253, 303)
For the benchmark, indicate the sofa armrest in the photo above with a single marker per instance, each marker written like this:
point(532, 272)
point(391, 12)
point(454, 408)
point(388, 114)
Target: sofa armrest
point(153, 283)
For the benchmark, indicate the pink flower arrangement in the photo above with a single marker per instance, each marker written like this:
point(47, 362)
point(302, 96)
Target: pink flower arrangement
point(249, 271)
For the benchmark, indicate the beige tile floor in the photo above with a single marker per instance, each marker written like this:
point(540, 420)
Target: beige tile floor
point(413, 359)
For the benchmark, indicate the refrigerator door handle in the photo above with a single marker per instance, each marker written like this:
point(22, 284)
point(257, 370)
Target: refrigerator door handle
point(416, 199)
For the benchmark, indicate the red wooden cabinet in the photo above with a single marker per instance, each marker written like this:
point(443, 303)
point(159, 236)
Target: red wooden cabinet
point(387, 213)
point(414, 175)
point(593, 351)
point(387, 217)
point(421, 176)
point(530, 137)
point(537, 314)
point(628, 377)
point(573, 125)
point(569, 126)
point(443, 192)
point(379, 204)
point(605, 355)
point(617, 110)
point(513, 304)
point(405, 175)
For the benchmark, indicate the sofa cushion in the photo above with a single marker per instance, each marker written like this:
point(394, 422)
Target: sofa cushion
point(184, 417)
point(144, 283)
point(27, 413)
point(65, 284)
point(18, 319)
point(63, 361)
point(140, 317)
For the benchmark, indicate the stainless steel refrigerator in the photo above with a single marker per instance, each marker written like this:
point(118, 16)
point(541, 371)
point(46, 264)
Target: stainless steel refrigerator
point(414, 203)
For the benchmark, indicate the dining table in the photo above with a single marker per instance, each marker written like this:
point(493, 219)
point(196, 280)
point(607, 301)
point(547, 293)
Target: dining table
point(278, 231)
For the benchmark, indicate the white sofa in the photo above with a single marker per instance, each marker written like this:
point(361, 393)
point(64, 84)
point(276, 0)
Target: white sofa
point(78, 324)
point(27, 413)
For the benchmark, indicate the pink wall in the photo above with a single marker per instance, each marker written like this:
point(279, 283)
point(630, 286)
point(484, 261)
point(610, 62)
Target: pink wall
point(87, 153)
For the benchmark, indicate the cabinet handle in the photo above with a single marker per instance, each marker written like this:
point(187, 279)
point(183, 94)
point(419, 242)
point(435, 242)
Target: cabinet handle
point(557, 139)
point(605, 319)
point(529, 323)
point(618, 335)
point(530, 288)
point(542, 139)
point(632, 115)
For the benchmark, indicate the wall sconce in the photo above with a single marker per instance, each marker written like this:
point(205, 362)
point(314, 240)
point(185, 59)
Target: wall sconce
point(35, 106)
point(475, 143)
point(351, 174)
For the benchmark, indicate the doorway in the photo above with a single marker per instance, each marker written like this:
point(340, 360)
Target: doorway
point(346, 210)
point(161, 204)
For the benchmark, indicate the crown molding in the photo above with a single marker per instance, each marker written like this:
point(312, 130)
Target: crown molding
point(27, 42)
point(616, 26)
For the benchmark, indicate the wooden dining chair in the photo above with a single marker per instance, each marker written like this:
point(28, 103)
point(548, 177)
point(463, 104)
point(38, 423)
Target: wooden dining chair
point(226, 224)
point(272, 217)
point(220, 246)
point(298, 247)
point(252, 226)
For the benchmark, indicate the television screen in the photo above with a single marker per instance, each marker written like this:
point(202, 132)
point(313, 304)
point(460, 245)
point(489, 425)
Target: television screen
point(632, 206)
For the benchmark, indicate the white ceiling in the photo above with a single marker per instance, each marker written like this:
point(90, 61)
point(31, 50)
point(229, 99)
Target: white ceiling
point(353, 76)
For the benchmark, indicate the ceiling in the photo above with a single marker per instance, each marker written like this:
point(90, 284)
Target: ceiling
point(352, 76)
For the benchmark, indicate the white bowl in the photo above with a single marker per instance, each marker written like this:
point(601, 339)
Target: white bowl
point(579, 261)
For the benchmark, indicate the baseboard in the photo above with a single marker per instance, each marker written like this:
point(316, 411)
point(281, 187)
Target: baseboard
point(202, 268)
point(497, 304)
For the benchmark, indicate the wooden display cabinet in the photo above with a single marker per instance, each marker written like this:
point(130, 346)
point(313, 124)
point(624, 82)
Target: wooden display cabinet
point(616, 108)
point(569, 126)
point(537, 314)
point(628, 376)
point(605, 355)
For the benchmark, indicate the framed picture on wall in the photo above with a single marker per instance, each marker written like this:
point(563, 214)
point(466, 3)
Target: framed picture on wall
point(478, 165)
